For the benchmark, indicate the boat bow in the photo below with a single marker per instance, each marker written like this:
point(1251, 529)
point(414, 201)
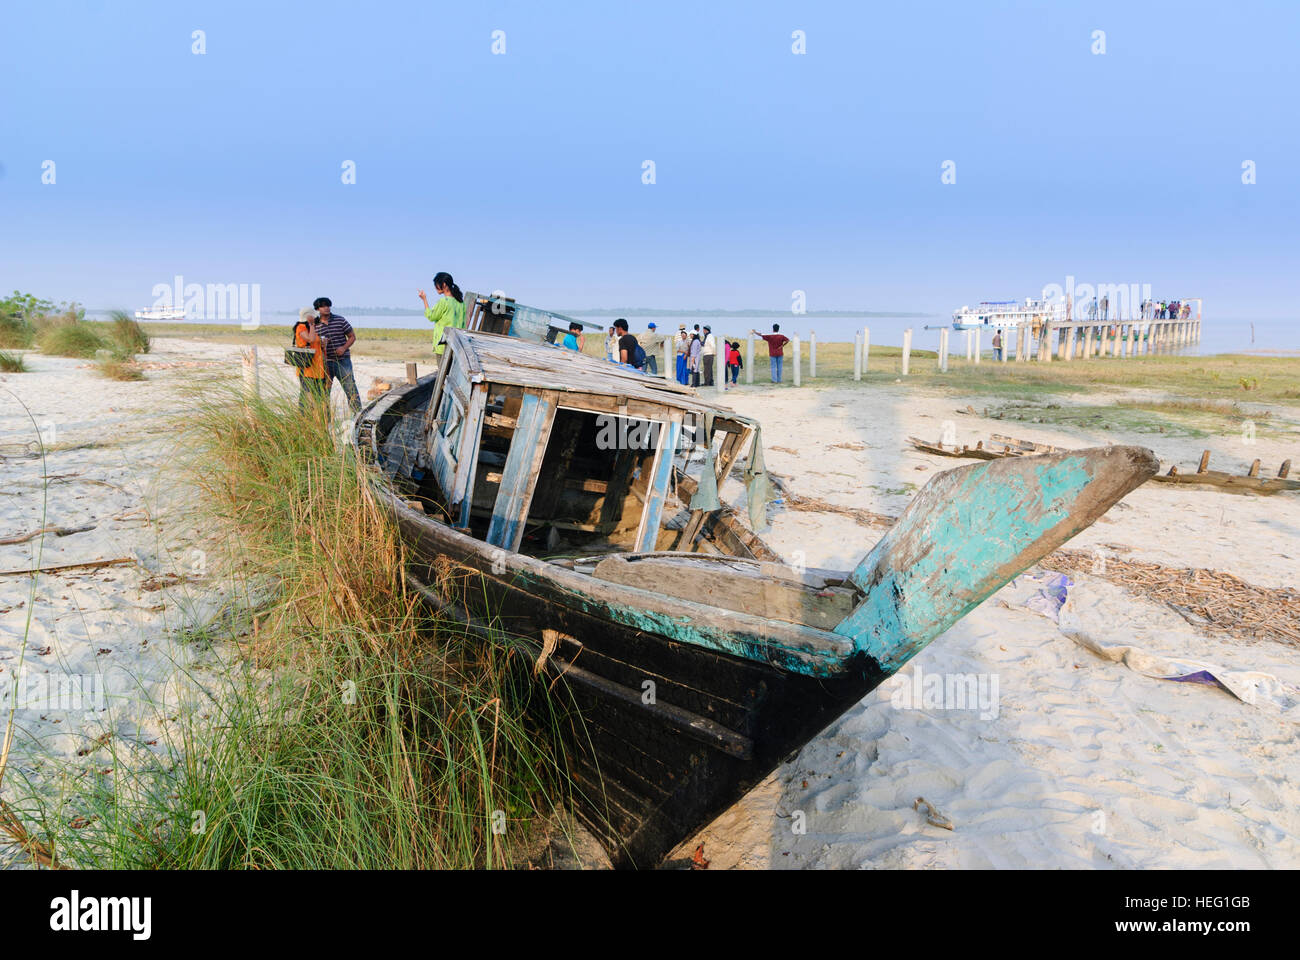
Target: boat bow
point(971, 530)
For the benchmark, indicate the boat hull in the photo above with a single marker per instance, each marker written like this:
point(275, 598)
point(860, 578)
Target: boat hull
point(660, 736)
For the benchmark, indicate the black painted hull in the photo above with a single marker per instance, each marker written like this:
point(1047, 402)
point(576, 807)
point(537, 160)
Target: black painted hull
point(644, 779)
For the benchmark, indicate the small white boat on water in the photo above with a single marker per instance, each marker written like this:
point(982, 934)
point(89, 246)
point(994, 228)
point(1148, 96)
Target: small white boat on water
point(161, 313)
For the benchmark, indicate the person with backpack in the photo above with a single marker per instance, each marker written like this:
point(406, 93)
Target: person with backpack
point(629, 351)
point(449, 311)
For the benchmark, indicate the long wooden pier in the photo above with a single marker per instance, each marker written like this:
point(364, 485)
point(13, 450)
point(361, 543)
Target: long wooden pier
point(1085, 339)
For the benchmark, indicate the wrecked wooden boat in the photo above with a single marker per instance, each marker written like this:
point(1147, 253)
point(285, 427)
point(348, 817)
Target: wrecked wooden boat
point(568, 507)
point(998, 446)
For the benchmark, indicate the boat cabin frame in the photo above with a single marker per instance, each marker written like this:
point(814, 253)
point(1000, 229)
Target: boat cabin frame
point(527, 437)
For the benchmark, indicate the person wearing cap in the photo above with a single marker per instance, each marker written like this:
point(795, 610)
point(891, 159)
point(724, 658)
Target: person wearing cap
point(652, 343)
point(708, 354)
point(313, 385)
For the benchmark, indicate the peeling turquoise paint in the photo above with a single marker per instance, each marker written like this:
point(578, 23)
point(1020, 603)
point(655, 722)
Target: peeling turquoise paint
point(957, 543)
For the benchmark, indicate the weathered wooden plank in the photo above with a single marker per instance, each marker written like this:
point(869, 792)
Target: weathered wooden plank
point(528, 446)
point(652, 515)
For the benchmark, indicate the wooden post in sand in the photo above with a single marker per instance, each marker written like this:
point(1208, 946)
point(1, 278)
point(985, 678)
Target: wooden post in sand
point(943, 350)
point(252, 387)
point(670, 359)
point(857, 355)
point(749, 359)
point(812, 354)
point(794, 344)
point(1070, 338)
point(866, 348)
point(978, 348)
point(907, 349)
point(412, 374)
point(970, 346)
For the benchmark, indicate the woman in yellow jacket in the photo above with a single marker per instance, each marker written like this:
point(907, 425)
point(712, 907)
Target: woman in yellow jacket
point(449, 311)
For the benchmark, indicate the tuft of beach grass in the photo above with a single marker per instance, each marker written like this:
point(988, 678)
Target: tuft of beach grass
point(347, 729)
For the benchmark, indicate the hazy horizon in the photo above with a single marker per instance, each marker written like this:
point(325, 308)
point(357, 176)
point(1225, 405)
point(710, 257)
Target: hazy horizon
point(912, 158)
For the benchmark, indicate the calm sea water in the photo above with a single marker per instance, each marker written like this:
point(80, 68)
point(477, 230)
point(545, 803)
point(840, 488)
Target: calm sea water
point(1217, 335)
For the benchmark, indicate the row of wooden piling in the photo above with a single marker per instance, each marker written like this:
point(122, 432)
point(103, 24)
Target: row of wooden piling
point(1063, 341)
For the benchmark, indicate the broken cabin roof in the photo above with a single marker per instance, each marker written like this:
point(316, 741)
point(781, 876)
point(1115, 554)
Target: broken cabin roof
point(509, 360)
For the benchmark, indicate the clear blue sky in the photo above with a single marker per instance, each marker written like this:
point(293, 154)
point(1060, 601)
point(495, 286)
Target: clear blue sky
point(775, 172)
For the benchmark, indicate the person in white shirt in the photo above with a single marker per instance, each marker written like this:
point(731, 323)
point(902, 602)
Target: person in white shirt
point(709, 354)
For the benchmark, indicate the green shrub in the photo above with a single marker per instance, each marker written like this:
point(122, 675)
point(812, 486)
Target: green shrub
point(16, 332)
point(128, 336)
point(59, 337)
point(12, 363)
point(115, 368)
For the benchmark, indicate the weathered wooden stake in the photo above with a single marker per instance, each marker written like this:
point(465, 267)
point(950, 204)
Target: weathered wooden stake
point(670, 359)
point(978, 349)
point(1283, 470)
point(943, 350)
point(907, 349)
point(412, 374)
point(866, 348)
point(857, 355)
point(812, 354)
point(252, 386)
point(1205, 462)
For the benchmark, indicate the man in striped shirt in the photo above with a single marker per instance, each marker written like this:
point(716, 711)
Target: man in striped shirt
point(338, 337)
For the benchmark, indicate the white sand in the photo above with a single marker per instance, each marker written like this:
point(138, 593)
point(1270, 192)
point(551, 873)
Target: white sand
point(1087, 761)
point(112, 630)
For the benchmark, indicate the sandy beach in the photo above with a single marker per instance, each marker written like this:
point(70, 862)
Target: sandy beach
point(1076, 753)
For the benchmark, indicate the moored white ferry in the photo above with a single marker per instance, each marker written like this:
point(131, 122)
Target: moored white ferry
point(1007, 313)
point(161, 313)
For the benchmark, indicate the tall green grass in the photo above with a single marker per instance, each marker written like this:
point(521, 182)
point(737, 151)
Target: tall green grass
point(351, 731)
point(66, 335)
point(12, 362)
point(127, 335)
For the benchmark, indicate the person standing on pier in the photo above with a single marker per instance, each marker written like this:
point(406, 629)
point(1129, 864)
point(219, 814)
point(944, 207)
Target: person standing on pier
point(682, 346)
point(776, 342)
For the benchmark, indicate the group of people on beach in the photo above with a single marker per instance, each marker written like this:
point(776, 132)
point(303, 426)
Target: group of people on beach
point(323, 341)
point(329, 337)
